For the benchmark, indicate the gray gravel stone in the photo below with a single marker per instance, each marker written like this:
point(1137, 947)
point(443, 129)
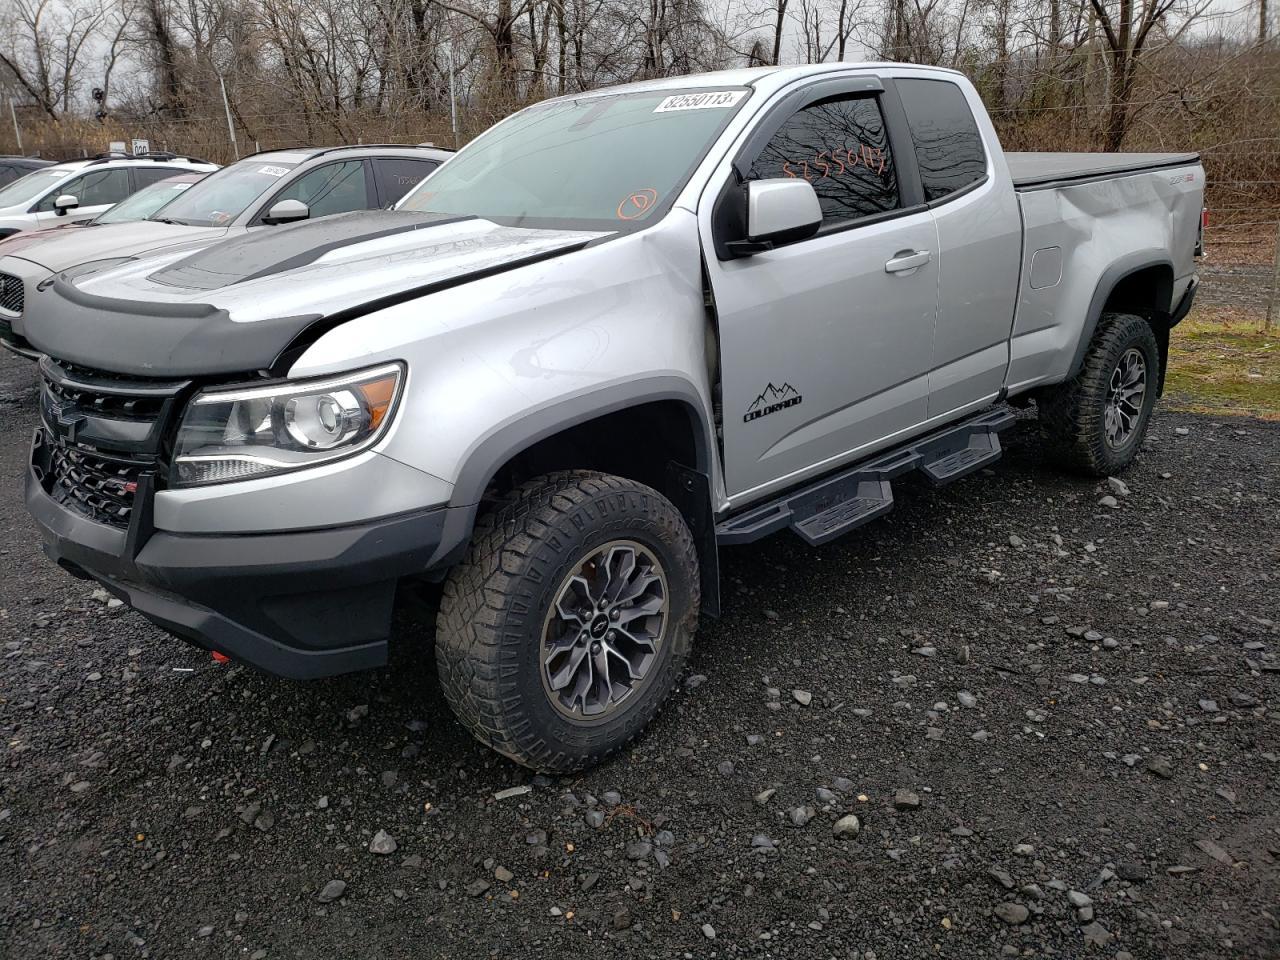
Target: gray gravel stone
point(332, 891)
point(846, 827)
point(1012, 913)
point(904, 799)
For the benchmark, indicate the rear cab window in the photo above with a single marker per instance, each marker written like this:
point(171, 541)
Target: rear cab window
point(396, 176)
point(948, 146)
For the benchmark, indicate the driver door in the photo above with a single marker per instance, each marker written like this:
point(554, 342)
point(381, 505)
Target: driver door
point(826, 343)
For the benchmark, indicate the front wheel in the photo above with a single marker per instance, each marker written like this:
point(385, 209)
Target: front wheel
point(1095, 422)
point(565, 628)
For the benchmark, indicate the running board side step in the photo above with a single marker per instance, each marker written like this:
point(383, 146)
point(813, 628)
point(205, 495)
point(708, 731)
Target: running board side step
point(834, 505)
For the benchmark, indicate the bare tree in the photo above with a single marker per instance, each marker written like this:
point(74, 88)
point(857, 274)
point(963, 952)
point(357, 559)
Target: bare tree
point(43, 48)
point(1127, 26)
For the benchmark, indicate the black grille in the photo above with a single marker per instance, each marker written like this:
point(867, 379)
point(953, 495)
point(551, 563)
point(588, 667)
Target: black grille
point(11, 294)
point(89, 398)
point(102, 488)
point(102, 437)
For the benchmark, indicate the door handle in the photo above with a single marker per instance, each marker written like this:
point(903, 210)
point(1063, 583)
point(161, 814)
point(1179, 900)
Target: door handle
point(907, 260)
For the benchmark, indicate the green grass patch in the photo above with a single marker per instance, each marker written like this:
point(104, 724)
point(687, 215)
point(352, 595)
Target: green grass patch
point(1221, 361)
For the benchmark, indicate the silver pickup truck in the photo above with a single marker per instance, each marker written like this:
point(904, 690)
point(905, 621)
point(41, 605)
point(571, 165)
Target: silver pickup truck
point(616, 333)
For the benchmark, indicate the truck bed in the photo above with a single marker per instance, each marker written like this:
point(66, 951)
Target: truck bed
point(1031, 170)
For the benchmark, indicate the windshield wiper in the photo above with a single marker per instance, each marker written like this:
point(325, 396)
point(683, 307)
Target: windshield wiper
point(176, 223)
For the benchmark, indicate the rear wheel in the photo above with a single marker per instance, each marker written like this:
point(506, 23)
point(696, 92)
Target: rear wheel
point(564, 630)
point(1096, 421)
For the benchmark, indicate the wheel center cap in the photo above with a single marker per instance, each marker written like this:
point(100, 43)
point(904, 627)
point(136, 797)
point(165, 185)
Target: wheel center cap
point(599, 625)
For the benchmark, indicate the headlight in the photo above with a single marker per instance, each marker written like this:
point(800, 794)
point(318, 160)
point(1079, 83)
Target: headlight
point(243, 434)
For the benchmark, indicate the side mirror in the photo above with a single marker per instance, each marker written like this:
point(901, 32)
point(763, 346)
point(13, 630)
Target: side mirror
point(287, 211)
point(780, 210)
point(64, 203)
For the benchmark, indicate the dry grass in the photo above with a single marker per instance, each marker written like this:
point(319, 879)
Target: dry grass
point(1223, 362)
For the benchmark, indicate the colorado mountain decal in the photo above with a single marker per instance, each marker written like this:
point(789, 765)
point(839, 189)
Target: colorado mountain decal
point(771, 400)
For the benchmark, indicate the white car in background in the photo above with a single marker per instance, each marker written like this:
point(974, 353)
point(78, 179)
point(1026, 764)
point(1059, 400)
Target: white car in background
point(82, 189)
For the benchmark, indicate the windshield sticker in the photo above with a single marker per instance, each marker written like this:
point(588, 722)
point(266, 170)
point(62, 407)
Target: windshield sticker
point(181, 186)
point(273, 171)
point(712, 99)
point(637, 204)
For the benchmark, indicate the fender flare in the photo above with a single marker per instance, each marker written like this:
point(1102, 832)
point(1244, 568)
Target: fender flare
point(1111, 278)
point(521, 431)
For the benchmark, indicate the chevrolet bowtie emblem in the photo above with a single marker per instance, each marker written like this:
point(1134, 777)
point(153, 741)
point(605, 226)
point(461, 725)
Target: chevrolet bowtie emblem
point(69, 420)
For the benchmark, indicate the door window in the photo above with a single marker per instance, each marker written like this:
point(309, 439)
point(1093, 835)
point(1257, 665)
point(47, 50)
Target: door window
point(840, 146)
point(398, 175)
point(947, 143)
point(95, 189)
point(333, 188)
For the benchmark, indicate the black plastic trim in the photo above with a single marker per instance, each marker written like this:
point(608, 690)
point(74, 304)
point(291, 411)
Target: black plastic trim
point(793, 506)
point(490, 452)
point(1179, 313)
point(1111, 277)
point(690, 491)
point(297, 604)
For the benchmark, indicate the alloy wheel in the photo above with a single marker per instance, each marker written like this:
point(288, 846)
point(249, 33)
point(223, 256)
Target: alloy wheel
point(1125, 394)
point(603, 634)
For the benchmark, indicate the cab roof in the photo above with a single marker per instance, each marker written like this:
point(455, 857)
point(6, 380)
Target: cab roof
point(770, 78)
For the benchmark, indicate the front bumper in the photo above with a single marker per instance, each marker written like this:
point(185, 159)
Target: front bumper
point(302, 605)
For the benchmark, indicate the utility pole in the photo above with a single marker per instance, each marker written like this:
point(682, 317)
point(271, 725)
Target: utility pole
point(1262, 22)
point(13, 112)
point(453, 98)
point(1273, 305)
point(231, 128)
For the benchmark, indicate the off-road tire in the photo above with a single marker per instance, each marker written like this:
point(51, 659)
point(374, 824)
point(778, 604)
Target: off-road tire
point(1072, 414)
point(495, 604)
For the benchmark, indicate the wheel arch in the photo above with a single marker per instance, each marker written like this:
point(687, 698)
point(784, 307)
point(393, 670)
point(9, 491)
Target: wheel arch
point(1141, 283)
point(675, 458)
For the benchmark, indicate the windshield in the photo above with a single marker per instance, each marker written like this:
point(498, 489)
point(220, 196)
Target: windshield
point(30, 187)
point(222, 196)
point(597, 162)
point(144, 203)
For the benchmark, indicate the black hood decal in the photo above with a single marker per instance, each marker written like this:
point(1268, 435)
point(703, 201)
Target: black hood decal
point(278, 249)
point(151, 339)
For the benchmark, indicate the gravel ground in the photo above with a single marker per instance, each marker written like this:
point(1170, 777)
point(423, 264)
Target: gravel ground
point(1055, 719)
point(1239, 286)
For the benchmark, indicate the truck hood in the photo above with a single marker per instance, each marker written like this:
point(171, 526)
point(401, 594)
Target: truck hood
point(239, 305)
point(66, 247)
